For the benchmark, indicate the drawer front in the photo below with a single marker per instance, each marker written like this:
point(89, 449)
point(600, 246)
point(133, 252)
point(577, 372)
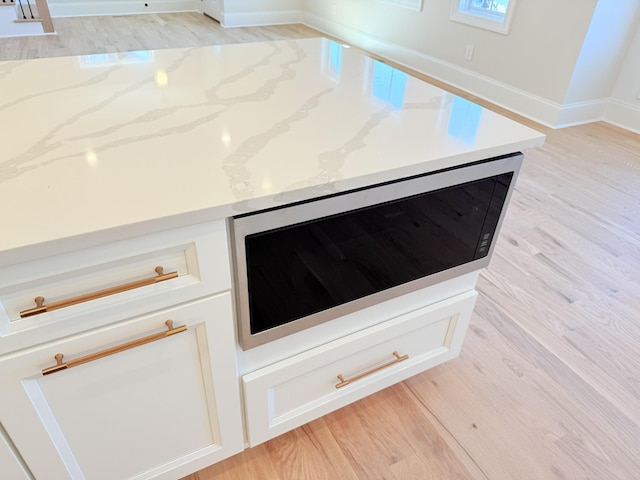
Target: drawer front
point(299, 389)
point(136, 400)
point(93, 287)
point(11, 464)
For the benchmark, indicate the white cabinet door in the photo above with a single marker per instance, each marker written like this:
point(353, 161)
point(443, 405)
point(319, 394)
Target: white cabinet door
point(160, 409)
point(11, 465)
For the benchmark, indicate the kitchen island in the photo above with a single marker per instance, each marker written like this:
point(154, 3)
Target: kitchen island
point(115, 164)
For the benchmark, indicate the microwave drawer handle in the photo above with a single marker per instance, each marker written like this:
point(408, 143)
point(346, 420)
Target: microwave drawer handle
point(60, 365)
point(41, 307)
point(344, 383)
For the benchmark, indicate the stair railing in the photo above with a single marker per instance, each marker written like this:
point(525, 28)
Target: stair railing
point(33, 11)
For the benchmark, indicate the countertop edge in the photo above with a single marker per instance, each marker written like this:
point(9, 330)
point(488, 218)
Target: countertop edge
point(26, 253)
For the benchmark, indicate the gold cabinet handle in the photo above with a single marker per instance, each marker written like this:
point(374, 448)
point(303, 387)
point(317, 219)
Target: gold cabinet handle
point(41, 307)
point(344, 383)
point(60, 365)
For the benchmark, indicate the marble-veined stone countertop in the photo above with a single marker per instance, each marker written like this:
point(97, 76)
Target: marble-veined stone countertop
point(98, 148)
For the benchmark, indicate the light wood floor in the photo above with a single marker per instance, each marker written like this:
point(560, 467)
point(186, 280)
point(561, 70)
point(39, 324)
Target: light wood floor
point(548, 383)
point(125, 33)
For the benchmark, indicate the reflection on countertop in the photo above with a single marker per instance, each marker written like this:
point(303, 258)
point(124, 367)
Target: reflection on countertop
point(102, 141)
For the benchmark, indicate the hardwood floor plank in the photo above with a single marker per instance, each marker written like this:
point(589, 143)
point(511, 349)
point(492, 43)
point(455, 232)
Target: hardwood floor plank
point(555, 329)
point(506, 386)
point(380, 446)
point(356, 442)
point(106, 34)
point(325, 442)
point(608, 435)
point(252, 463)
point(311, 452)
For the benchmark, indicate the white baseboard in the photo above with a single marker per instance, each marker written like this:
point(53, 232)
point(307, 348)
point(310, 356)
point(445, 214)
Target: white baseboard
point(129, 7)
point(580, 113)
point(120, 7)
point(623, 115)
point(254, 19)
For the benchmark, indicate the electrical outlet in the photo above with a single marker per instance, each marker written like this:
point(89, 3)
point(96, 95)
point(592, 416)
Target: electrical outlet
point(468, 53)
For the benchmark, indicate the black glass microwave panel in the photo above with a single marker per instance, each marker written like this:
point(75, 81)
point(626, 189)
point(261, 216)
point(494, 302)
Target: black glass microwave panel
point(306, 268)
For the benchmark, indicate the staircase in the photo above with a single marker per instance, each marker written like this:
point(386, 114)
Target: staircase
point(24, 17)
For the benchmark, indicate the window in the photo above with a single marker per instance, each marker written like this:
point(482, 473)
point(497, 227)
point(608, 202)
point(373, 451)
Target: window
point(492, 15)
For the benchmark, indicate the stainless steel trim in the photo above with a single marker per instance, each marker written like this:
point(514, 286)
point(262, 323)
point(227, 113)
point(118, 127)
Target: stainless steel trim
point(291, 215)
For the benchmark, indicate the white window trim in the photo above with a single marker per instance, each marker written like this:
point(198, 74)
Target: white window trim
point(462, 16)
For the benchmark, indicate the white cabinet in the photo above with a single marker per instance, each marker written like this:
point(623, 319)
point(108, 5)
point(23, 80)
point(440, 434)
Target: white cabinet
point(139, 398)
point(160, 409)
point(11, 465)
point(90, 288)
point(127, 395)
point(296, 390)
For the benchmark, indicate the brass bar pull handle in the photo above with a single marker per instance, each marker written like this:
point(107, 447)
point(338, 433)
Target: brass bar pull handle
point(344, 383)
point(60, 365)
point(41, 307)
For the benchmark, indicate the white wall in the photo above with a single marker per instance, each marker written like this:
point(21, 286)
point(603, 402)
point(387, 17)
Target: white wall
point(256, 6)
point(537, 56)
point(624, 106)
point(527, 71)
point(603, 51)
point(242, 13)
point(558, 64)
point(235, 12)
point(80, 8)
point(608, 39)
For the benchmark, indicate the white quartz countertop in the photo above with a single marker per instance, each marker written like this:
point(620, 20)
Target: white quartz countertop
point(98, 148)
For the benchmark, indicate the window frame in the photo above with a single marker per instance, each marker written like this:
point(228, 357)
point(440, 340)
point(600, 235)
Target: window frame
point(463, 12)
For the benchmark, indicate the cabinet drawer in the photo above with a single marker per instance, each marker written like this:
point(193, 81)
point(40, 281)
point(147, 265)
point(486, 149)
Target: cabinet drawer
point(96, 286)
point(133, 402)
point(11, 465)
point(299, 389)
